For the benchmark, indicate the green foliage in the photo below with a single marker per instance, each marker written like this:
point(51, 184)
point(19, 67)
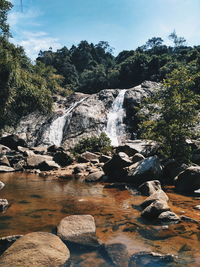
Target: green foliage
point(171, 115)
point(93, 144)
point(5, 6)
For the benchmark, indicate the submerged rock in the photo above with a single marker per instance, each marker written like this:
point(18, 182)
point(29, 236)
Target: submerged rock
point(94, 176)
point(117, 253)
point(151, 259)
point(189, 180)
point(36, 249)
point(1, 185)
point(79, 229)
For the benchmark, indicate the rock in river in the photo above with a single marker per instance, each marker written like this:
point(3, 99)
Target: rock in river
point(36, 249)
point(79, 229)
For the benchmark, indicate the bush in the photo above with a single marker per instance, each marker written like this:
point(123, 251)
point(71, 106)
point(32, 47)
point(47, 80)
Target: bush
point(93, 144)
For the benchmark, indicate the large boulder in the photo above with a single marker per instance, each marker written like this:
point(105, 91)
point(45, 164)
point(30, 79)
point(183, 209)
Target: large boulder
point(7, 241)
point(36, 249)
point(144, 147)
point(87, 157)
point(114, 167)
point(144, 170)
point(150, 187)
point(12, 141)
point(78, 229)
point(189, 180)
point(43, 163)
point(62, 158)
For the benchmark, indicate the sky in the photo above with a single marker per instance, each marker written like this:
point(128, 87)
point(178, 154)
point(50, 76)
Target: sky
point(125, 24)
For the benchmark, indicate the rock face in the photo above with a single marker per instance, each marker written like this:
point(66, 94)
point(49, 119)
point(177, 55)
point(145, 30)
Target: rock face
point(36, 249)
point(145, 170)
point(189, 180)
point(84, 120)
point(79, 229)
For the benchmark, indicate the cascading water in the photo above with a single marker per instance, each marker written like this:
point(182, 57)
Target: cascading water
point(55, 132)
point(115, 128)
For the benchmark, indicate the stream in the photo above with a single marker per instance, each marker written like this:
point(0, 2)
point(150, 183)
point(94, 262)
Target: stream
point(38, 204)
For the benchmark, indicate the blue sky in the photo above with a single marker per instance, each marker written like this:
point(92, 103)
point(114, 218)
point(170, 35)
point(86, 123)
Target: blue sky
point(125, 24)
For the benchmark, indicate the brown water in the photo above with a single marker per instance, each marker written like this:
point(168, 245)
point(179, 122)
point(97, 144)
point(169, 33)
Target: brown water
point(38, 204)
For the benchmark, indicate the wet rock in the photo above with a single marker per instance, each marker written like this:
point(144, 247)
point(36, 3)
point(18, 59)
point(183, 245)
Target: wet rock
point(63, 158)
point(26, 151)
point(4, 149)
point(158, 195)
point(188, 219)
point(36, 249)
point(87, 157)
point(20, 165)
point(54, 149)
point(168, 217)
point(94, 176)
point(12, 141)
point(137, 157)
point(149, 187)
point(3, 204)
point(6, 169)
point(42, 150)
point(104, 158)
point(79, 169)
point(196, 207)
point(7, 241)
point(4, 161)
point(114, 167)
point(144, 147)
point(48, 165)
point(151, 259)
point(1, 185)
point(117, 253)
point(171, 169)
point(145, 170)
point(189, 180)
point(79, 229)
point(155, 209)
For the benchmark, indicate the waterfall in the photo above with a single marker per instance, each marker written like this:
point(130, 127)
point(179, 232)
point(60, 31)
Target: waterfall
point(55, 131)
point(115, 128)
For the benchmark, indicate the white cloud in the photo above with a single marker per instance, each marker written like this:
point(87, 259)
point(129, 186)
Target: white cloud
point(33, 42)
point(26, 31)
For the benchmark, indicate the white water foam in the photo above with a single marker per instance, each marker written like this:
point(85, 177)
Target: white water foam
point(115, 128)
point(55, 132)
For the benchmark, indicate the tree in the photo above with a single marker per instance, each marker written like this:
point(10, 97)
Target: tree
point(5, 6)
point(178, 41)
point(153, 43)
point(172, 114)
